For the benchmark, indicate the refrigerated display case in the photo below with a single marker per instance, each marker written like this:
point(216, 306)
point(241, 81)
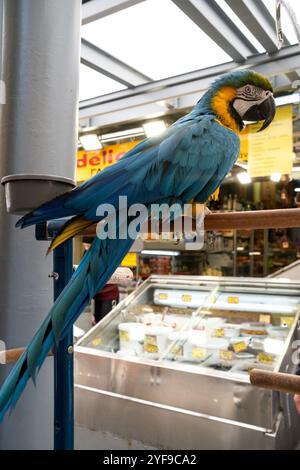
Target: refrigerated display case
point(168, 367)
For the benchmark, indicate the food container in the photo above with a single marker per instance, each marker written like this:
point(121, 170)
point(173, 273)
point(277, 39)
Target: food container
point(176, 342)
point(254, 329)
point(257, 343)
point(239, 344)
point(131, 337)
point(231, 331)
point(198, 346)
point(214, 327)
point(156, 340)
point(150, 319)
point(278, 331)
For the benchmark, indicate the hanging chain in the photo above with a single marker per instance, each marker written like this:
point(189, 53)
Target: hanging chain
point(293, 18)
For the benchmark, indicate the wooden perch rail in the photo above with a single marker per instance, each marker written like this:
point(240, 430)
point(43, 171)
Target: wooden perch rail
point(287, 383)
point(245, 220)
point(9, 356)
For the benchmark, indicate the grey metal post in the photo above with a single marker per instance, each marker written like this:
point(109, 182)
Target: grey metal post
point(38, 134)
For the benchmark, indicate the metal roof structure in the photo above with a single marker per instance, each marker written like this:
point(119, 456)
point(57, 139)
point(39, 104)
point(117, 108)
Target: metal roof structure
point(143, 59)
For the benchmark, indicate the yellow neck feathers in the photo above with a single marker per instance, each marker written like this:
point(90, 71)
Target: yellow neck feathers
point(220, 105)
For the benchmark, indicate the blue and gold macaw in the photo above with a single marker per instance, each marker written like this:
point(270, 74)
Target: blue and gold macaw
point(187, 162)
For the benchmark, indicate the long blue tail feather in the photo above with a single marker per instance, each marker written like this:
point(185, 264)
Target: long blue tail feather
point(93, 272)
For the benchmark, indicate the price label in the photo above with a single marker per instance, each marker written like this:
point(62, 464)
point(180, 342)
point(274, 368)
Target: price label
point(240, 346)
point(124, 335)
point(233, 300)
point(198, 353)
point(225, 355)
point(96, 342)
point(219, 332)
point(265, 358)
point(186, 298)
point(177, 350)
point(163, 296)
point(264, 318)
point(150, 344)
point(287, 321)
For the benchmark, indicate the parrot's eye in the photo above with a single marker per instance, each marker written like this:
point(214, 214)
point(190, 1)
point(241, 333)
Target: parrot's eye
point(248, 90)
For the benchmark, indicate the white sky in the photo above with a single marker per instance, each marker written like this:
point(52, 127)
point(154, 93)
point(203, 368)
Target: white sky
point(158, 39)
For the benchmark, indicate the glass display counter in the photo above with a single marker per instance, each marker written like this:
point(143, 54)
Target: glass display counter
point(177, 353)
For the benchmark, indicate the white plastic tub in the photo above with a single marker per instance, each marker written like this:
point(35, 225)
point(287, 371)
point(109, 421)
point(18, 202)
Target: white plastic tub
point(131, 337)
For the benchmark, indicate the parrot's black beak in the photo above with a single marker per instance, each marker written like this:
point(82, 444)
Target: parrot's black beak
point(262, 112)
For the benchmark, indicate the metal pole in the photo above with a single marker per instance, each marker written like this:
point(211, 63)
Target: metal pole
point(40, 56)
point(63, 359)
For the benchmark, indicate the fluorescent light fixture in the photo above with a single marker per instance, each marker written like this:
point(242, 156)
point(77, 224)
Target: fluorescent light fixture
point(244, 177)
point(287, 99)
point(90, 142)
point(126, 134)
point(240, 248)
point(160, 252)
point(153, 128)
point(297, 190)
point(275, 177)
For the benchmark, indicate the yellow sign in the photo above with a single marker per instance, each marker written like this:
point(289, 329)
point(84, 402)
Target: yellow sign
point(225, 355)
point(270, 151)
point(198, 353)
point(186, 298)
point(233, 300)
point(244, 135)
point(91, 163)
point(265, 358)
point(240, 346)
point(130, 260)
point(219, 332)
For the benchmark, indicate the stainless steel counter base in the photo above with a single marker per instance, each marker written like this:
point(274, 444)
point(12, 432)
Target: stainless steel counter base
point(168, 405)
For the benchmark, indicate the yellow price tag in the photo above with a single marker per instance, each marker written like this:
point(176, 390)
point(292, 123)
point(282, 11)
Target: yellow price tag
point(150, 344)
point(225, 355)
point(265, 358)
point(264, 318)
point(124, 335)
point(186, 298)
point(287, 321)
point(219, 332)
point(96, 342)
point(233, 300)
point(198, 353)
point(240, 346)
point(177, 350)
point(163, 296)
point(151, 348)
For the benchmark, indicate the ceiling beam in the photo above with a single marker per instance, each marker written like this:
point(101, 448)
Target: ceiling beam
point(218, 26)
point(96, 9)
point(103, 62)
point(258, 20)
point(183, 87)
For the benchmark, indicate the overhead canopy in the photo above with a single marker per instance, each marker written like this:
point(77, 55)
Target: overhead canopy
point(143, 58)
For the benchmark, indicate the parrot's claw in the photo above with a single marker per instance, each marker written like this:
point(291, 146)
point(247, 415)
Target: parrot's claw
point(195, 239)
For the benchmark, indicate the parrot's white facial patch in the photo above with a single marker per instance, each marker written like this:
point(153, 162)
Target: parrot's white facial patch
point(247, 96)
